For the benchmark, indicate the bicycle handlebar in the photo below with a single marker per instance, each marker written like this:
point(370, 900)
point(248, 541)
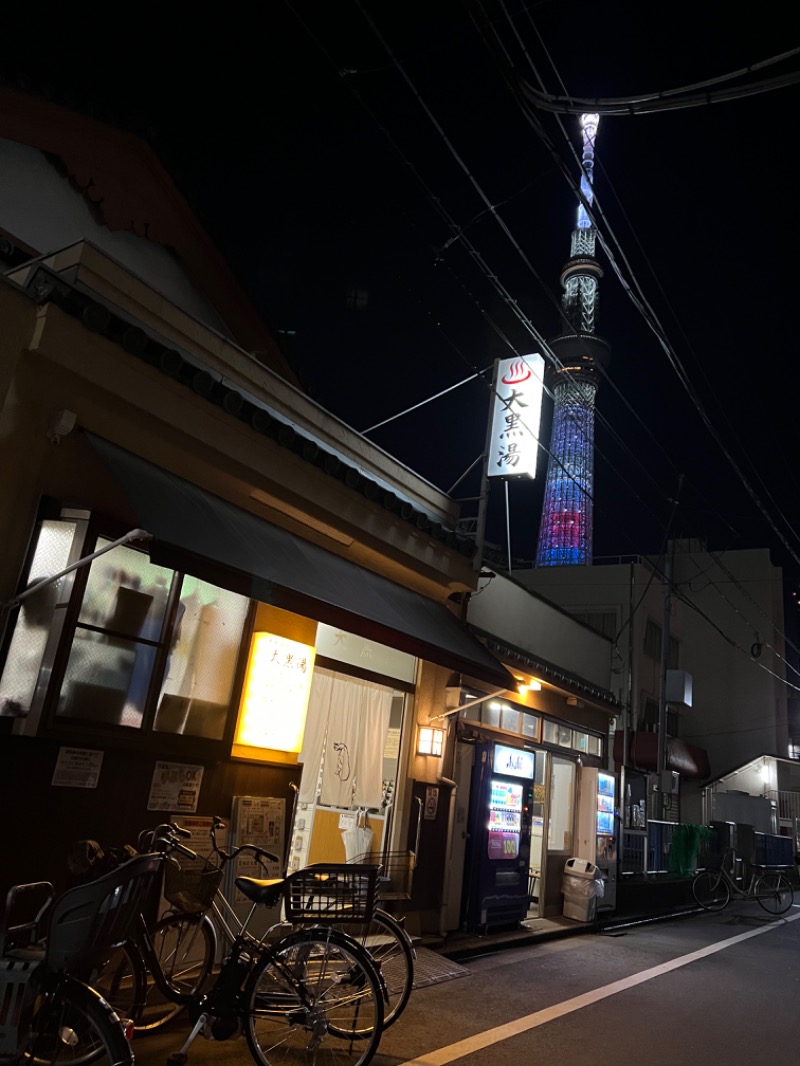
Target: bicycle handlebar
point(226, 854)
point(164, 838)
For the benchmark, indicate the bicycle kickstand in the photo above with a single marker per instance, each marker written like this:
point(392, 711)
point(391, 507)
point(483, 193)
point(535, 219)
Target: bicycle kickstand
point(179, 1058)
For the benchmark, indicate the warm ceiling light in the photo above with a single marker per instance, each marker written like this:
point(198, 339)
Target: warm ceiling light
point(524, 687)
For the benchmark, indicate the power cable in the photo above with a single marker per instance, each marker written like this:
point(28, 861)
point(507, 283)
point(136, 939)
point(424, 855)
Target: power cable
point(510, 301)
point(650, 317)
point(668, 100)
point(491, 209)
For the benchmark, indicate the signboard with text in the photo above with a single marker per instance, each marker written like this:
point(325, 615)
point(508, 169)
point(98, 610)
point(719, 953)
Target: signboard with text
point(516, 416)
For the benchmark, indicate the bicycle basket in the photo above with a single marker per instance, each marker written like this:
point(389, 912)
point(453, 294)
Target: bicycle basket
point(331, 892)
point(191, 890)
point(396, 873)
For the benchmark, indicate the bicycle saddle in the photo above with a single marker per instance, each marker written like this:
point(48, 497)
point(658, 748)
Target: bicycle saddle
point(268, 892)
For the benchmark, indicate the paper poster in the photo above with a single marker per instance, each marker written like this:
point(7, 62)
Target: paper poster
point(77, 768)
point(175, 787)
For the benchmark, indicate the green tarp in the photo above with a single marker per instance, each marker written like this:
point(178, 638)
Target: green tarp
point(684, 847)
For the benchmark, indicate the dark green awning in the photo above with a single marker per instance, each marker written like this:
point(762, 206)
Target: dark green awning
point(201, 534)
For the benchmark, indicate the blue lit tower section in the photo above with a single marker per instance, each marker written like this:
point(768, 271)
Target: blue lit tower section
point(565, 534)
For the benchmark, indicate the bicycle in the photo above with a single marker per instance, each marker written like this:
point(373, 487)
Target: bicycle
point(714, 888)
point(48, 1013)
point(312, 994)
point(187, 940)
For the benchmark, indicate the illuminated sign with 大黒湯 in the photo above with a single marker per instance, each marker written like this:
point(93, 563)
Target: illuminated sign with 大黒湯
point(516, 414)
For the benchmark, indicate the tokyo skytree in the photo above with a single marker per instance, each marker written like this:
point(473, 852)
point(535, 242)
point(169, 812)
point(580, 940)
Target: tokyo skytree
point(565, 533)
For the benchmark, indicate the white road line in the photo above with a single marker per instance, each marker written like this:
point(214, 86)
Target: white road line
point(541, 1017)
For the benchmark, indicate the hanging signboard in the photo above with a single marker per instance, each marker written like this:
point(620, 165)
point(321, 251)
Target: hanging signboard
point(516, 416)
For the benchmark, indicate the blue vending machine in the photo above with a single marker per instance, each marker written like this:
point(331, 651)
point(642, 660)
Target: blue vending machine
point(498, 837)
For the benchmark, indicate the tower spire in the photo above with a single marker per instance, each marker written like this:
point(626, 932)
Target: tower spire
point(565, 534)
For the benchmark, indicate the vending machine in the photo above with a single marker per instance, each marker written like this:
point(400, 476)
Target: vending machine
point(498, 837)
point(597, 829)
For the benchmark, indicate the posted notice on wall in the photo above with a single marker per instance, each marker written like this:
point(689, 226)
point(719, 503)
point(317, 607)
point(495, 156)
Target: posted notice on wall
point(199, 839)
point(175, 787)
point(77, 768)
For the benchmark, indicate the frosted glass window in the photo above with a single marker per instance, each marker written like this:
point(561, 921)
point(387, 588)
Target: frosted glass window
point(110, 666)
point(126, 593)
point(201, 666)
point(32, 630)
point(491, 713)
point(530, 726)
point(580, 741)
point(550, 733)
point(106, 679)
point(512, 720)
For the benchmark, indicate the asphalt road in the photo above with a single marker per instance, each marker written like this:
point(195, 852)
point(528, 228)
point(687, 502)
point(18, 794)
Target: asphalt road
point(710, 987)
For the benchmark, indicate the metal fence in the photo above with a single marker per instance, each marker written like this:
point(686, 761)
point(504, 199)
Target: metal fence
point(648, 851)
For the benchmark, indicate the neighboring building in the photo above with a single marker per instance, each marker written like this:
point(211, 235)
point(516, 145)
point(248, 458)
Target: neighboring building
point(140, 392)
point(560, 717)
point(725, 647)
point(763, 792)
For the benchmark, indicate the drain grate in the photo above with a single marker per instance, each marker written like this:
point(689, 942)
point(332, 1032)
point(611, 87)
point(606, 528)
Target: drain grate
point(433, 969)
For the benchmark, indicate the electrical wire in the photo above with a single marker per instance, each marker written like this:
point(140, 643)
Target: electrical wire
point(667, 100)
point(505, 294)
point(636, 294)
point(510, 301)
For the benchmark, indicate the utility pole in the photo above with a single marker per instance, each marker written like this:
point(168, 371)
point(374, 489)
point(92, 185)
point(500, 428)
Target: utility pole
point(661, 763)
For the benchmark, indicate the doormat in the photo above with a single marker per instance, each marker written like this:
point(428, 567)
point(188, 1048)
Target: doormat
point(433, 969)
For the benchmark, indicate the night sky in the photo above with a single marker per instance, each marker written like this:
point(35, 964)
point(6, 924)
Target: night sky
point(305, 136)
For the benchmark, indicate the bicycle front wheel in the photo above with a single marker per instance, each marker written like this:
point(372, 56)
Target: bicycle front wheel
point(710, 890)
point(314, 996)
point(775, 893)
point(185, 946)
point(390, 947)
point(74, 1026)
point(122, 981)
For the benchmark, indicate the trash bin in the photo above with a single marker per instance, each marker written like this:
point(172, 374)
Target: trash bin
point(581, 885)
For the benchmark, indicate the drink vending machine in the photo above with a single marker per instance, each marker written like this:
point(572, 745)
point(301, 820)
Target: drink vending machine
point(597, 829)
point(499, 837)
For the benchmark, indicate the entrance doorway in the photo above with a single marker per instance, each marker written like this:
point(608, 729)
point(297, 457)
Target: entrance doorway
point(535, 870)
point(560, 822)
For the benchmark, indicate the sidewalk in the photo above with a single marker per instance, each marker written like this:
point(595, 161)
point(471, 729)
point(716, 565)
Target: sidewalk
point(645, 900)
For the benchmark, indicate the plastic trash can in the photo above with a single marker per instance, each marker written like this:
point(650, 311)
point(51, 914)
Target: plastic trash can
point(580, 887)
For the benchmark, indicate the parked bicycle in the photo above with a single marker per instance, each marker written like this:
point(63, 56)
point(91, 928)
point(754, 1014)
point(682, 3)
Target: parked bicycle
point(313, 994)
point(713, 889)
point(203, 924)
point(48, 1013)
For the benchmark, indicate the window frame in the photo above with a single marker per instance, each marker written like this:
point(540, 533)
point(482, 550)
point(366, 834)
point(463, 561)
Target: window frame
point(53, 726)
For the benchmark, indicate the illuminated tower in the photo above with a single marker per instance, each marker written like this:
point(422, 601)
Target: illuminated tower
point(565, 534)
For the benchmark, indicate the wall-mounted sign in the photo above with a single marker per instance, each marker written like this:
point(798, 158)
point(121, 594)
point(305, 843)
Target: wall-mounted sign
point(77, 768)
point(175, 786)
point(516, 416)
point(514, 762)
point(431, 802)
point(275, 700)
